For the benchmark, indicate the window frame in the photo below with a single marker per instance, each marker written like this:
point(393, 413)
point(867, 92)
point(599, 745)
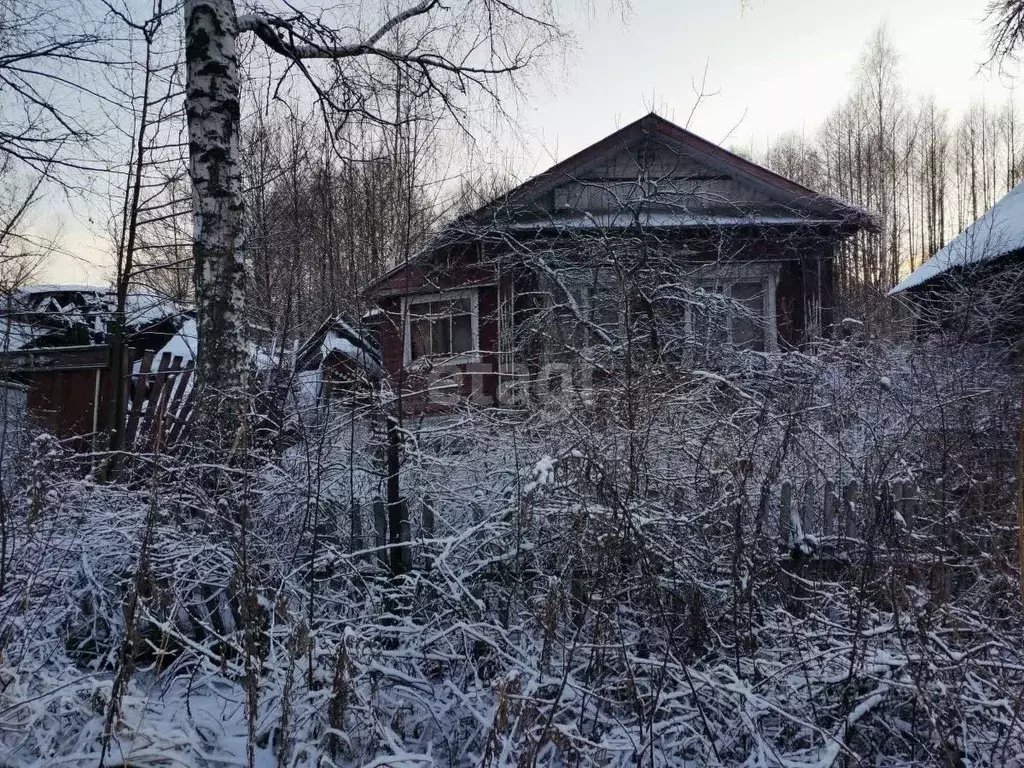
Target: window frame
point(456, 358)
point(722, 284)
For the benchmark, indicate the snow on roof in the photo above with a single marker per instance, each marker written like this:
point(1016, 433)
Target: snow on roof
point(999, 232)
point(142, 309)
point(70, 314)
point(185, 343)
point(660, 219)
point(361, 355)
point(64, 288)
point(337, 335)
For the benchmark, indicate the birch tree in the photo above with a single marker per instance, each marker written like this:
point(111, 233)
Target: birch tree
point(443, 51)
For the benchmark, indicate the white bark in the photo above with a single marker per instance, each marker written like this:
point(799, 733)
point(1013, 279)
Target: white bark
point(212, 108)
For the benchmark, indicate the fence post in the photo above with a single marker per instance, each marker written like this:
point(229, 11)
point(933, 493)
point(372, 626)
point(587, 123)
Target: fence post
point(427, 518)
point(806, 505)
point(909, 503)
point(398, 519)
point(829, 508)
point(849, 504)
point(785, 499)
point(380, 529)
point(356, 519)
point(896, 497)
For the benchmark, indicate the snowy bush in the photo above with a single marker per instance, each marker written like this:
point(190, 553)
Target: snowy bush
point(605, 583)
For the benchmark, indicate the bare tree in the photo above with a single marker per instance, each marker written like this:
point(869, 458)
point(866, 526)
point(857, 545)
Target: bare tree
point(148, 90)
point(442, 51)
point(1006, 28)
point(42, 43)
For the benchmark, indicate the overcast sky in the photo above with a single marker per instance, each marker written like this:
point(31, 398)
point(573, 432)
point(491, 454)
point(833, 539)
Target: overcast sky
point(775, 65)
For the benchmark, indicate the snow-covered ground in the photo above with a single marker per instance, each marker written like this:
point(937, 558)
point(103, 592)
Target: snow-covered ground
point(605, 585)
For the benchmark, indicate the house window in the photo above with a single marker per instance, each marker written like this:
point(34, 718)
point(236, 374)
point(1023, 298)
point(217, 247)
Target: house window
point(439, 326)
point(592, 318)
point(747, 315)
point(602, 309)
point(732, 314)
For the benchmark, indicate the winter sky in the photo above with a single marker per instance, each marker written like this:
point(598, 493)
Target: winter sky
point(774, 65)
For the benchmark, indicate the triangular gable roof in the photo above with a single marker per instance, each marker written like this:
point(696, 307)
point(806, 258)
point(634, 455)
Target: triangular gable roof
point(808, 205)
point(800, 197)
point(998, 232)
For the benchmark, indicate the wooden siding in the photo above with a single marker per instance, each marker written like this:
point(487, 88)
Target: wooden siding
point(62, 387)
point(801, 259)
point(665, 177)
point(62, 402)
point(411, 383)
point(652, 166)
point(63, 383)
point(456, 266)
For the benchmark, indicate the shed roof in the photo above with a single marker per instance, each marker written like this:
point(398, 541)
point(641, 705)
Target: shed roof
point(337, 336)
point(997, 233)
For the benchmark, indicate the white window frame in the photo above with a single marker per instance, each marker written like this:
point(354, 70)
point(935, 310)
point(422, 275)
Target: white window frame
point(461, 358)
point(587, 303)
point(583, 295)
point(722, 282)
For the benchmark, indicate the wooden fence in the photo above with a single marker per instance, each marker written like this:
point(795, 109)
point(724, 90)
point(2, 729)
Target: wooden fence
point(844, 511)
point(158, 408)
point(812, 518)
point(70, 391)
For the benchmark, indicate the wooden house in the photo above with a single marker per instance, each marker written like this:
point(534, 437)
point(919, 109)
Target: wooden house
point(651, 237)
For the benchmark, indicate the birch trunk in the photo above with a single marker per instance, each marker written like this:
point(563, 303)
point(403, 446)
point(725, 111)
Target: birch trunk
point(212, 109)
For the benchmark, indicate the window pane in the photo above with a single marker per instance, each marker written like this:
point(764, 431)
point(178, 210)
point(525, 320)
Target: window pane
point(441, 336)
point(709, 322)
point(420, 332)
point(462, 333)
point(748, 316)
point(441, 327)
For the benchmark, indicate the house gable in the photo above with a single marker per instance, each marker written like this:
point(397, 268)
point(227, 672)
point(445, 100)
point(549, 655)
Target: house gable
point(652, 173)
point(672, 178)
point(520, 282)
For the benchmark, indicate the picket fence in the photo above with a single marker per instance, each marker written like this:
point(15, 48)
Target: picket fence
point(159, 403)
point(843, 511)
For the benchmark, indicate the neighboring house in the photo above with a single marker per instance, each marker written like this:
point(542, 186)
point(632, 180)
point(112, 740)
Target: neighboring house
point(55, 353)
point(49, 316)
point(55, 339)
point(974, 286)
point(652, 235)
point(338, 360)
